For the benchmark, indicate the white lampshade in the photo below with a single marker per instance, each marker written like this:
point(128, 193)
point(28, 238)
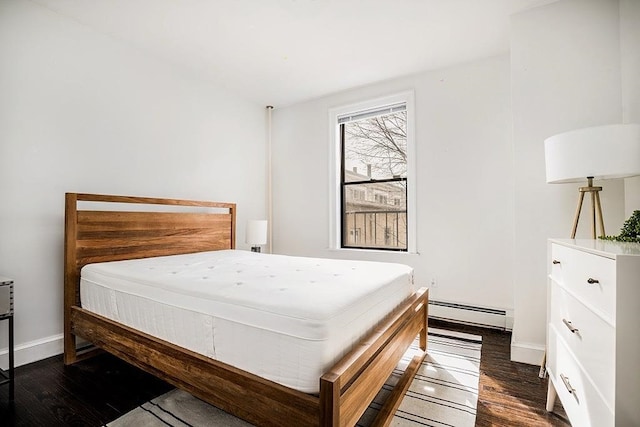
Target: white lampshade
point(256, 232)
point(601, 152)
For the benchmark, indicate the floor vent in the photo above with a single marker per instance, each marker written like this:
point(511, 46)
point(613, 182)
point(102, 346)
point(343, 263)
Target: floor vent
point(469, 314)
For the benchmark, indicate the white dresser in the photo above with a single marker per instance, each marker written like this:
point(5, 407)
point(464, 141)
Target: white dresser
point(593, 334)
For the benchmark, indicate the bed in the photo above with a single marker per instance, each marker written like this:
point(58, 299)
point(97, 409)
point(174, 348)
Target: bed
point(180, 232)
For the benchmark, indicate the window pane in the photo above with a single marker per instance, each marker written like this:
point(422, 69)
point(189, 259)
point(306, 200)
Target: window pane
point(375, 215)
point(376, 148)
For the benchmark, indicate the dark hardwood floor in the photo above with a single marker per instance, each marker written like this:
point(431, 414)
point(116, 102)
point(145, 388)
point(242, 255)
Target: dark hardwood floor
point(510, 394)
point(99, 390)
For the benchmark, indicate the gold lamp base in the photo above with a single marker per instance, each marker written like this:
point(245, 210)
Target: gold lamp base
point(596, 209)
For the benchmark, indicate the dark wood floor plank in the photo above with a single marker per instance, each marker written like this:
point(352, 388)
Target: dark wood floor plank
point(510, 393)
point(91, 393)
point(99, 390)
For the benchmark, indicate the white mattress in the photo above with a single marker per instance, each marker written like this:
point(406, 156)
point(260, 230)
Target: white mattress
point(287, 319)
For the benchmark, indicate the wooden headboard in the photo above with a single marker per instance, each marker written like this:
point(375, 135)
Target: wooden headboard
point(110, 232)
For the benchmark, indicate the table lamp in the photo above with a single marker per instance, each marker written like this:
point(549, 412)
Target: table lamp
point(602, 152)
point(256, 234)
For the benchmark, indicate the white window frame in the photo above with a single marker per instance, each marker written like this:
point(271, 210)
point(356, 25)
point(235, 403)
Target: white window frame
point(335, 160)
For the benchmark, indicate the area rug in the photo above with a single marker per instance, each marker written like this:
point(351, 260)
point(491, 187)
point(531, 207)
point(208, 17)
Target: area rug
point(444, 392)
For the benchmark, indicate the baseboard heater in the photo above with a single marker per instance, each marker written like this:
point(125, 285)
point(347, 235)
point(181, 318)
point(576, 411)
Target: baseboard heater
point(469, 314)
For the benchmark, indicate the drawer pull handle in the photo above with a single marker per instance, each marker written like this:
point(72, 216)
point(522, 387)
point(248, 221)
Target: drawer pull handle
point(567, 384)
point(592, 281)
point(555, 261)
point(568, 324)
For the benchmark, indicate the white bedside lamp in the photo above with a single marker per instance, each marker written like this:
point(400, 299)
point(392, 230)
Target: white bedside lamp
point(602, 152)
point(256, 234)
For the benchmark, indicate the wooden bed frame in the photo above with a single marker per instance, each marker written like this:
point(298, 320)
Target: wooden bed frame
point(345, 390)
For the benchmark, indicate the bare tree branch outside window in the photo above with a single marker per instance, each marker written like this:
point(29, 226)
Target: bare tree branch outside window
point(374, 186)
point(380, 142)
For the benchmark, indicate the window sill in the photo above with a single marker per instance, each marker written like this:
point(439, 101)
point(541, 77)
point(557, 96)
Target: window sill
point(372, 251)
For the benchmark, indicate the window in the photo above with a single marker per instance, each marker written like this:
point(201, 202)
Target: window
point(373, 159)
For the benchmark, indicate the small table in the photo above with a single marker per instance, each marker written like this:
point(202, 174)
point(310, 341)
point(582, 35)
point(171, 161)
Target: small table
point(6, 313)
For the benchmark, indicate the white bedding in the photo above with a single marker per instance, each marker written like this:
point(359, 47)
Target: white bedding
point(284, 318)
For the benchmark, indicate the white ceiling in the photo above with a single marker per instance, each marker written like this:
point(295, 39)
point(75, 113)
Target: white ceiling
point(280, 52)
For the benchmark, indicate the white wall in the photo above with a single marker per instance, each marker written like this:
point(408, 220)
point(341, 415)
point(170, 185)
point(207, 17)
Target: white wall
point(484, 211)
point(630, 60)
point(464, 180)
point(82, 112)
point(565, 74)
point(484, 208)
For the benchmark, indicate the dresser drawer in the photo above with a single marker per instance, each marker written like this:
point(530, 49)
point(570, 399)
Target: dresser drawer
point(590, 339)
point(590, 276)
point(583, 404)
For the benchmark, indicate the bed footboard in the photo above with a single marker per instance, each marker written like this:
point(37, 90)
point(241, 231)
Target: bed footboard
point(345, 391)
point(348, 388)
point(252, 398)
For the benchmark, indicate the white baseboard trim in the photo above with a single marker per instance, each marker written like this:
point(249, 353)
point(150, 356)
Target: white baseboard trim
point(33, 351)
point(531, 354)
point(481, 316)
point(509, 320)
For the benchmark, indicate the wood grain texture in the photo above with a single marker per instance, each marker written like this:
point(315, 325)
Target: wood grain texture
point(98, 236)
point(365, 386)
point(230, 388)
point(233, 390)
point(349, 366)
point(149, 200)
point(358, 376)
point(71, 276)
point(386, 413)
point(109, 236)
point(106, 235)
